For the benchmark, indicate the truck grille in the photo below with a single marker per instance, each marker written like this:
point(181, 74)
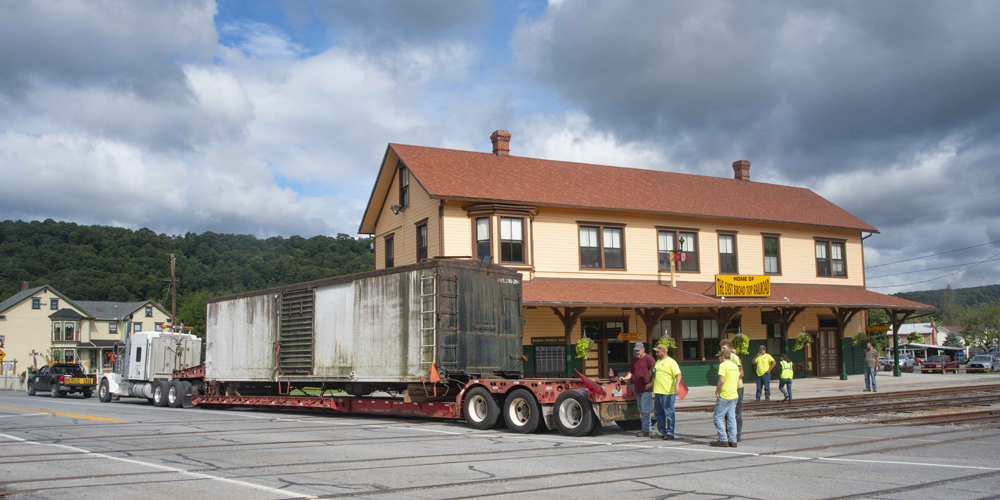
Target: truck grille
point(296, 333)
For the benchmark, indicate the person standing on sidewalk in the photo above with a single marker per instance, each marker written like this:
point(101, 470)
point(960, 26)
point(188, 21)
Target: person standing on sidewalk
point(666, 378)
point(764, 363)
point(735, 358)
point(871, 368)
point(785, 379)
point(642, 374)
point(725, 401)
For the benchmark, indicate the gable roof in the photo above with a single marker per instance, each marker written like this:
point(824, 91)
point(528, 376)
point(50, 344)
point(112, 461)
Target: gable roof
point(474, 176)
point(66, 313)
point(113, 311)
point(18, 297)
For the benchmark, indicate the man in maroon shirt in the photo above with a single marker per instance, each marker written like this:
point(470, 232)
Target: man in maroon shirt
point(642, 372)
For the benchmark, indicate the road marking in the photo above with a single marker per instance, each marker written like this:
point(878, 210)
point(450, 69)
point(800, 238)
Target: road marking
point(25, 415)
point(60, 414)
point(283, 493)
point(922, 464)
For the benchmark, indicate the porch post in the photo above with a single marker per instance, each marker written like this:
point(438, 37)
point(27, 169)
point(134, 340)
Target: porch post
point(844, 316)
point(788, 315)
point(650, 317)
point(569, 319)
point(897, 322)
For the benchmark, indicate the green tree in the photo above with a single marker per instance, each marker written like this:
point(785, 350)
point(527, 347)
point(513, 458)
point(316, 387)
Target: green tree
point(952, 340)
point(949, 311)
point(981, 325)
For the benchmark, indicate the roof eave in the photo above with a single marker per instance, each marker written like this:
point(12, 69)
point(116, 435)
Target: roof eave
point(371, 197)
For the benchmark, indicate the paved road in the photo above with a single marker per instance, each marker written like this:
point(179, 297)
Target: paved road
point(80, 449)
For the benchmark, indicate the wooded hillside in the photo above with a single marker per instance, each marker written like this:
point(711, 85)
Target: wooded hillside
point(111, 263)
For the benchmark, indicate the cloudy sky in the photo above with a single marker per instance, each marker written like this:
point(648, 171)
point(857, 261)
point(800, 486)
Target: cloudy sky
point(271, 118)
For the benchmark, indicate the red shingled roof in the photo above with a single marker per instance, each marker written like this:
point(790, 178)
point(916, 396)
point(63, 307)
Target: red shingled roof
point(542, 292)
point(448, 173)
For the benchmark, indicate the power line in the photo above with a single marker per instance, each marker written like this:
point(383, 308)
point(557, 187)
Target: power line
point(932, 255)
point(939, 277)
point(923, 270)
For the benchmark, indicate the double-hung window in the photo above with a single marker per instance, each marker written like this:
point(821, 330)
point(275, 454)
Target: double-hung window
point(602, 247)
point(512, 240)
point(36, 303)
point(53, 304)
point(390, 251)
point(113, 328)
point(830, 258)
point(404, 187)
point(484, 247)
point(683, 241)
point(710, 329)
point(727, 254)
point(689, 339)
point(422, 242)
point(149, 311)
point(772, 262)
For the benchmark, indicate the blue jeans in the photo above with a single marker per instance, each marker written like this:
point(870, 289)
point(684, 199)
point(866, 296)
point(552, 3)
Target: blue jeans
point(870, 377)
point(786, 382)
point(725, 419)
point(765, 382)
point(645, 400)
point(663, 405)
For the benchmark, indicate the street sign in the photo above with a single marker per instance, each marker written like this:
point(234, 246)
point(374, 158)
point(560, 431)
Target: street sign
point(2, 354)
point(628, 336)
point(877, 328)
point(681, 257)
point(728, 285)
point(770, 317)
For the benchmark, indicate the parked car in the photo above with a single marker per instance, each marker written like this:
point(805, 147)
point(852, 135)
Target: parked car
point(941, 364)
point(61, 379)
point(982, 363)
point(905, 361)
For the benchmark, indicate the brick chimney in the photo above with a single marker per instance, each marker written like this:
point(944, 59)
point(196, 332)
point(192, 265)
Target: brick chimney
point(742, 170)
point(24, 285)
point(501, 143)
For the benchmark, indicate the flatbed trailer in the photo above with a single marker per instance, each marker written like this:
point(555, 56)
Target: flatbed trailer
point(574, 407)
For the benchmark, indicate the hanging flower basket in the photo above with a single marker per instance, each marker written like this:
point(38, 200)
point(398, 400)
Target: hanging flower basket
point(582, 346)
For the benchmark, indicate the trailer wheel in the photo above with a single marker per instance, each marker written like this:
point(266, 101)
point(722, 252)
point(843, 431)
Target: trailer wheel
point(103, 392)
point(160, 389)
point(521, 412)
point(480, 409)
point(629, 425)
point(175, 394)
point(574, 413)
point(54, 390)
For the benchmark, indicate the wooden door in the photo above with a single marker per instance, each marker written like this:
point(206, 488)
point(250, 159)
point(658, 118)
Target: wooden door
point(593, 365)
point(829, 364)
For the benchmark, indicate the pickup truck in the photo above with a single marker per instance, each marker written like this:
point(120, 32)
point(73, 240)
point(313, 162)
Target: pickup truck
point(61, 379)
point(941, 364)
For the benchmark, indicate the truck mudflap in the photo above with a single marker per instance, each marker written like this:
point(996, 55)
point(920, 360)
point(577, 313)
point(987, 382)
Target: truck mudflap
point(610, 411)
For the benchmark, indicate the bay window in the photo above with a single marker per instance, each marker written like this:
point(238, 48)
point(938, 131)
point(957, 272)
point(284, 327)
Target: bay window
point(512, 240)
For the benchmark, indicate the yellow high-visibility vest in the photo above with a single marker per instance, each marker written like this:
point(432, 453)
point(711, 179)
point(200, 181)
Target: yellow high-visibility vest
point(786, 369)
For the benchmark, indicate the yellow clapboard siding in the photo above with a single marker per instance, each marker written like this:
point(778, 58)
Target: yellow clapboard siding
point(403, 227)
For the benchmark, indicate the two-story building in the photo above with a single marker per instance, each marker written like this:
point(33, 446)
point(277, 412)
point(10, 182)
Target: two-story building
point(594, 246)
point(44, 321)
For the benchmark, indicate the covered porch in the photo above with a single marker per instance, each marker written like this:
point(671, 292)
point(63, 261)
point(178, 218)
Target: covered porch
point(615, 315)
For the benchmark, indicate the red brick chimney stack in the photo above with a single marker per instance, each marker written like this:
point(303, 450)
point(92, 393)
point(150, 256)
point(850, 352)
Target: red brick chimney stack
point(24, 285)
point(501, 143)
point(742, 170)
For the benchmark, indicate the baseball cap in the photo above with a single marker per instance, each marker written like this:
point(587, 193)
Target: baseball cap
point(638, 345)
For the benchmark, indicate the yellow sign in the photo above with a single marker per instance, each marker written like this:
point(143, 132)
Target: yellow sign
point(88, 381)
point(877, 328)
point(2, 354)
point(728, 285)
point(628, 336)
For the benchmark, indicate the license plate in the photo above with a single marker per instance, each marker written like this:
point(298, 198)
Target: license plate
point(87, 381)
point(618, 410)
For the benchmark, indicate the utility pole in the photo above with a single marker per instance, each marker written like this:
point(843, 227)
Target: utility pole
point(173, 291)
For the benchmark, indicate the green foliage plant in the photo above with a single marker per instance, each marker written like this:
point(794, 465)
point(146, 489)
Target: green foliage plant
point(741, 344)
point(582, 346)
point(667, 341)
point(861, 338)
point(914, 338)
point(952, 340)
point(802, 341)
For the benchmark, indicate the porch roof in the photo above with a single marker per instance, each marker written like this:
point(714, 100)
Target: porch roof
point(550, 292)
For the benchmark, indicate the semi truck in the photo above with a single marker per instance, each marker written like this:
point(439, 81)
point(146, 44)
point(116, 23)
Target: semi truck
point(440, 339)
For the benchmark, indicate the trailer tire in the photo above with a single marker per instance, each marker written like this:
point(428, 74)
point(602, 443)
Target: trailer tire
point(175, 393)
point(521, 411)
point(574, 414)
point(104, 392)
point(480, 409)
point(630, 424)
point(54, 390)
point(160, 388)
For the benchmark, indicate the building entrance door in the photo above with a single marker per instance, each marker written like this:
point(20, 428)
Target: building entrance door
point(608, 353)
point(829, 362)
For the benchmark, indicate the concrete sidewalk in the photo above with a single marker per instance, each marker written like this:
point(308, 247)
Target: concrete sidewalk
point(817, 387)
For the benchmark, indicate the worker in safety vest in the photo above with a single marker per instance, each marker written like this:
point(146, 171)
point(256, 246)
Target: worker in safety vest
point(785, 379)
point(735, 358)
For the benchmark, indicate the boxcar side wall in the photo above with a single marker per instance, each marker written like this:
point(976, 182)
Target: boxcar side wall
point(241, 339)
point(335, 339)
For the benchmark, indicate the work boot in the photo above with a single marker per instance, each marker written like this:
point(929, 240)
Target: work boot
point(739, 438)
point(785, 399)
point(732, 444)
point(642, 434)
point(668, 437)
point(653, 435)
point(719, 444)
